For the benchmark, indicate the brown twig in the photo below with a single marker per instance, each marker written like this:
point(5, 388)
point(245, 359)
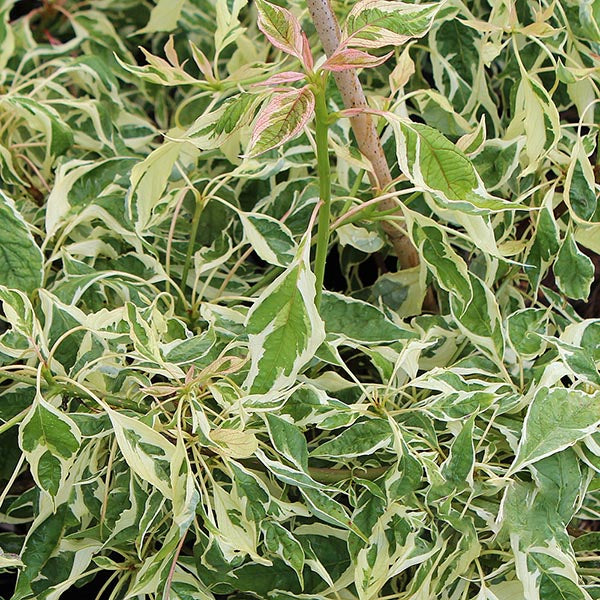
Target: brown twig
point(363, 126)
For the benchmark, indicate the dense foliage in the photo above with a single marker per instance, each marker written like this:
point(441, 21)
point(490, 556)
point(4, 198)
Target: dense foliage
point(183, 416)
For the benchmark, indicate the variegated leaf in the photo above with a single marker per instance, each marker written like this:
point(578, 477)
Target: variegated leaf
point(50, 441)
point(376, 23)
point(284, 327)
point(556, 419)
point(281, 27)
point(21, 260)
point(281, 119)
point(345, 59)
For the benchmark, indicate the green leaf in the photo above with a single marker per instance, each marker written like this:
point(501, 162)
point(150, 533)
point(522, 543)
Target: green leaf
point(588, 542)
point(552, 584)
point(525, 328)
point(560, 481)
point(461, 405)
point(270, 238)
point(359, 439)
point(50, 441)
point(580, 187)
point(556, 419)
point(377, 23)
point(284, 328)
point(359, 321)
point(41, 542)
point(573, 270)
point(164, 16)
point(281, 542)
point(21, 261)
point(196, 350)
point(546, 243)
point(458, 44)
point(441, 165)
point(288, 440)
point(249, 486)
point(458, 468)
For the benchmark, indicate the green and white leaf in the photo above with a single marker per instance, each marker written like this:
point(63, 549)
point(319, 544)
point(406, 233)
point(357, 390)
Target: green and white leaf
point(281, 27)
point(436, 165)
point(282, 543)
point(359, 439)
point(556, 420)
point(21, 261)
point(148, 453)
point(270, 238)
point(281, 119)
point(376, 23)
point(284, 327)
point(574, 271)
point(50, 441)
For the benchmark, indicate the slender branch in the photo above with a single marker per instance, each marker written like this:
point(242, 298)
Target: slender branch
point(194, 229)
point(167, 591)
point(363, 126)
point(14, 420)
point(324, 171)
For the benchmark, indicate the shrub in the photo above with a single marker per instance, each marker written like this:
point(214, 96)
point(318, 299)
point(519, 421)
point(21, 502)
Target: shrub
point(216, 381)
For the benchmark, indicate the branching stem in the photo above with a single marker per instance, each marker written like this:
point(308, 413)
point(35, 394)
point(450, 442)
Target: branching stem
point(324, 172)
point(363, 126)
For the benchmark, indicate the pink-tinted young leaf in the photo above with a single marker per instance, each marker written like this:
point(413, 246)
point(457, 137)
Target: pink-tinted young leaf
point(350, 58)
point(307, 57)
point(281, 119)
point(358, 110)
point(285, 77)
point(280, 27)
point(202, 62)
point(379, 23)
point(170, 52)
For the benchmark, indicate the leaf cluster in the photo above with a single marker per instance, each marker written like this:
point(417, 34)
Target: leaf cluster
point(178, 418)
